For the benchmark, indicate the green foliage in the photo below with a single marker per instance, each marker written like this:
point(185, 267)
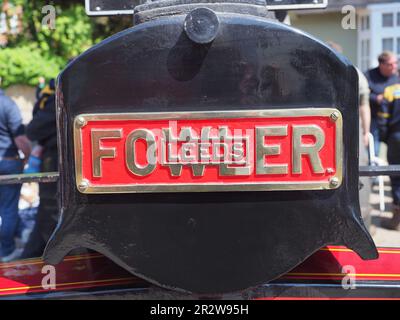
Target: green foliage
point(24, 65)
point(72, 35)
point(41, 51)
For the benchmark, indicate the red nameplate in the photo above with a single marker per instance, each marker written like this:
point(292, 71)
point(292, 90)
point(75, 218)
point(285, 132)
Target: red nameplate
point(291, 149)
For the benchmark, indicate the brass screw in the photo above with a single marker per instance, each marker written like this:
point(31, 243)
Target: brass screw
point(333, 182)
point(334, 116)
point(81, 122)
point(82, 187)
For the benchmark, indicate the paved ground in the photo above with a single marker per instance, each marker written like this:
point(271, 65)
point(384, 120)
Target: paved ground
point(382, 237)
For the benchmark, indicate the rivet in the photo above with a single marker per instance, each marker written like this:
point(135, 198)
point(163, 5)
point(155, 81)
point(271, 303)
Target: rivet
point(333, 182)
point(334, 116)
point(81, 122)
point(82, 187)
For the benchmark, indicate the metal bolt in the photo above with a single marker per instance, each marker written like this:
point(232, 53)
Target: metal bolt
point(334, 116)
point(333, 182)
point(81, 122)
point(83, 186)
point(201, 25)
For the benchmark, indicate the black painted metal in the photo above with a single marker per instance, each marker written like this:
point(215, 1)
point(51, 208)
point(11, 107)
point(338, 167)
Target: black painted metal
point(44, 177)
point(158, 9)
point(208, 242)
point(114, 7)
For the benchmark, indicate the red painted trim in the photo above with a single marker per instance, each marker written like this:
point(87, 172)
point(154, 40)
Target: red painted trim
point(75, 272)
point(316, 298)
point(327, 263)
point(95, 270)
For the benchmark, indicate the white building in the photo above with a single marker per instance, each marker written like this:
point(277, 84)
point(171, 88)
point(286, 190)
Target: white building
point(377, 28)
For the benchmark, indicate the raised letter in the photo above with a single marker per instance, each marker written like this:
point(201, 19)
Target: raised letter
point(311, 150)
point(133, 167)
point(268, 150)
point(98, 152)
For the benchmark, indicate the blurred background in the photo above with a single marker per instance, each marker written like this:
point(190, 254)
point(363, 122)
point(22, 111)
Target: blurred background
point(30, 51)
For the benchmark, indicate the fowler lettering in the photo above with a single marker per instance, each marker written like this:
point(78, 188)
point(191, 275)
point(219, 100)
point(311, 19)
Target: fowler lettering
point(199, 151)
point(261, 150)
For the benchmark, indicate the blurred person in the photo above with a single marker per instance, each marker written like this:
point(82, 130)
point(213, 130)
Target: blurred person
point(12, 140)
point(43, 130)
point(43, 93)
point(364, 107)
point(378, 79)
point(389, 129)
point(364, 97)
point(364, 129)
point(40, 87)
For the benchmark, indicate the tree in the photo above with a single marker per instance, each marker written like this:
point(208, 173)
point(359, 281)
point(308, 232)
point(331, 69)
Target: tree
point(41, 51)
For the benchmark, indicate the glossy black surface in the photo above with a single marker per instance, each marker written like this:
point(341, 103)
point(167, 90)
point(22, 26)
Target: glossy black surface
point(209, 242)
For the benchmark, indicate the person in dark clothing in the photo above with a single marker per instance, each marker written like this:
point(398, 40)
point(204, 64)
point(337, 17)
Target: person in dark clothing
point(389, 129)
point(12, 139)
point(378, 79)
point(39, 88)
point(43, 129)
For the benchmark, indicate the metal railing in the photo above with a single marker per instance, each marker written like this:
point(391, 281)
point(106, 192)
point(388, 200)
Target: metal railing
point(375, 171)
point(44, 177)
